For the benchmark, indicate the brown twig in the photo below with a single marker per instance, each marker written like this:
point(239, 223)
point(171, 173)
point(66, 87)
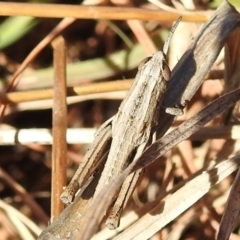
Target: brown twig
point(59, 151)
point(94, 12)
point(18, 97)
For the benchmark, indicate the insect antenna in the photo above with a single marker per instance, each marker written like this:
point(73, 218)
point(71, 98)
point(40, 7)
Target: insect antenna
point(167, 42)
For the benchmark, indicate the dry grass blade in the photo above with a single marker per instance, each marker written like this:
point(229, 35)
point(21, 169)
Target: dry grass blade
point(187, 128)
point(59, 152)
point(93, 88)
point(231, 212)
point(9, 136)
point(182, 199)
point(18, 97)
point(47, 104)
point(86, 135)
point(142, 36)
point(93, 12)
point(191, 69)
point(10, 211)
point(232, 64)
point(232, 61)
point(222, 132)
point(100, 203)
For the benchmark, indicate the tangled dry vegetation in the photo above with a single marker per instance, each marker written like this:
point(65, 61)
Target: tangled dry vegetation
point(189, 189)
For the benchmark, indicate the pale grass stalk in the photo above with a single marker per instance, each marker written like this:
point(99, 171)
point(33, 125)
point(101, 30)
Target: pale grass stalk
point(43, 136)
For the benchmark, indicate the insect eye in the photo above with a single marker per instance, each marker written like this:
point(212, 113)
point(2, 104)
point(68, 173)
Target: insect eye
point(166, 72)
